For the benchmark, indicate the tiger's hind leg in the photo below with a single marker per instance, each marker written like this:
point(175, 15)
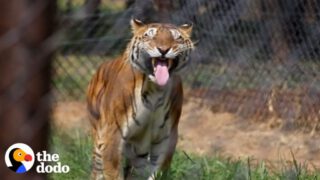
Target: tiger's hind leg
point(107, 155)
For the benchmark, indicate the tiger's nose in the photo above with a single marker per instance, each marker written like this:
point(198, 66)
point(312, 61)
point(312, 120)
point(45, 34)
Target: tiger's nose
point(162, 50)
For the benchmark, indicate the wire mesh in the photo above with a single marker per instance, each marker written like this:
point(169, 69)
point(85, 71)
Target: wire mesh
point(259, 59)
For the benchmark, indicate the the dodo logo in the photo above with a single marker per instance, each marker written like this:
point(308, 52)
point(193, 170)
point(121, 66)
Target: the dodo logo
point(19, 158)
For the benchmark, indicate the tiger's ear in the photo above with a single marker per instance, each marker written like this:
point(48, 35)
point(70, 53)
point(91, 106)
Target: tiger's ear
point(136, 24)
point(186, 28)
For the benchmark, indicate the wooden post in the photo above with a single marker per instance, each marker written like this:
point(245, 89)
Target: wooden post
point(25, 78)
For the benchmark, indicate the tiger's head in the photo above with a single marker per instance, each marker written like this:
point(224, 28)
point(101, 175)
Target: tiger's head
point(159, 50)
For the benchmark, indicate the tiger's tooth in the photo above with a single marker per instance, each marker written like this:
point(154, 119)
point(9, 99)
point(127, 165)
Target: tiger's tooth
point(170, 63)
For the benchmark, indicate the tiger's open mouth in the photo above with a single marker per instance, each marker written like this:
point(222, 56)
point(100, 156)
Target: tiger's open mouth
point(161, 68)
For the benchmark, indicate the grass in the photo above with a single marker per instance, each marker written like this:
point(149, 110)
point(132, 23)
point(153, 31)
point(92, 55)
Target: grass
point(75, 150)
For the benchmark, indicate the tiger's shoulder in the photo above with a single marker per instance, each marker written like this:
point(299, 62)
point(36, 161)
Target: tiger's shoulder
point(112, 81)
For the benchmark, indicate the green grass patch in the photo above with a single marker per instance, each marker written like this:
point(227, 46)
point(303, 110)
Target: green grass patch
point(75, 150)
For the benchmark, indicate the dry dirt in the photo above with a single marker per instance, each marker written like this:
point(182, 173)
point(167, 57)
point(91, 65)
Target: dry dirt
point(206, 133)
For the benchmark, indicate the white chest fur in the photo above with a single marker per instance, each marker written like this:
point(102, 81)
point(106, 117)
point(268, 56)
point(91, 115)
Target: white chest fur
point(148, 120)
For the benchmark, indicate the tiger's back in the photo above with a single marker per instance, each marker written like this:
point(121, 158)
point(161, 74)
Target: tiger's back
point(134, 119)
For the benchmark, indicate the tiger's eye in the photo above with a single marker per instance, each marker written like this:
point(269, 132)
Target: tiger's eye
point(179, 39)
point(150, 32)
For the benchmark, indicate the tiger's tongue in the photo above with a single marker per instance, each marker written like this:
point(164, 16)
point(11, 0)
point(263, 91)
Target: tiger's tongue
point(161, 73)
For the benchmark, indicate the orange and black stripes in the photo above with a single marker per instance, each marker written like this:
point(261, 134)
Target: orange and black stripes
point(134, 119)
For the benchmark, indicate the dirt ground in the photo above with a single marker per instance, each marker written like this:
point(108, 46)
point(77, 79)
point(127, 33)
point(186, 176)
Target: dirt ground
point(206, 133)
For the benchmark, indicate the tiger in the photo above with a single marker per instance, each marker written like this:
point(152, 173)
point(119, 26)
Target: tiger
point(135, 103)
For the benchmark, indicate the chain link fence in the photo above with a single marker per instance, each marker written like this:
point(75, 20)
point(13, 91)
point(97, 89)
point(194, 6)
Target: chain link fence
point(258, 59)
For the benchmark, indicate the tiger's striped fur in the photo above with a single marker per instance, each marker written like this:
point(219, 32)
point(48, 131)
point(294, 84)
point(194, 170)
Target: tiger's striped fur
point(134, 113)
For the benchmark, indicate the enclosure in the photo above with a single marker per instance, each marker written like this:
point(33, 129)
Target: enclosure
point(251, 92)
